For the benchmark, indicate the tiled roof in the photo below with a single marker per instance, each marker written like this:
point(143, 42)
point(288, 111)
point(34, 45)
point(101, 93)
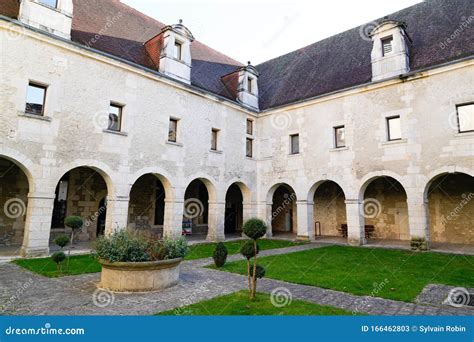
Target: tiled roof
point(335, 63)
point(344, 60)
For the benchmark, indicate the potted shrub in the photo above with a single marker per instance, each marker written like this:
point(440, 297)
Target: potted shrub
point(135, 262)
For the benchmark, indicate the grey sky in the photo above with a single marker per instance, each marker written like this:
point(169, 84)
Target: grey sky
point(259, 30)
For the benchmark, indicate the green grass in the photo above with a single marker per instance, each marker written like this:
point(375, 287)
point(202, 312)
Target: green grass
point(238, 304)
point(82, 264)
point(205, 250)
point(392, 274)
point(78, 264)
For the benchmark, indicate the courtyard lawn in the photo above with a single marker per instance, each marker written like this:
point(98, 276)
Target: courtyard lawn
point(81, 264)
point(238, 304)
point(205, 250)
point(78, 264)
point(391, 274)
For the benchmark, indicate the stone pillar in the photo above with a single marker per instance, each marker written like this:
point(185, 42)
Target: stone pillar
point(173, 221)
point(265, 213)
point(355, 223)
point(248, 211)
point(305, 220)
point(39, 213)
point(418, 221)
point(216, 220)
point(117, 214)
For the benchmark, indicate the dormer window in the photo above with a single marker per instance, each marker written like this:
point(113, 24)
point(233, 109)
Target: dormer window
point(50, 3)
point(387, 47)
point(178, 50)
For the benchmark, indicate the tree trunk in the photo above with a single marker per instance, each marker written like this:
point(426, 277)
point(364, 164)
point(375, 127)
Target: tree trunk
point(254, 278)
point(249, 279)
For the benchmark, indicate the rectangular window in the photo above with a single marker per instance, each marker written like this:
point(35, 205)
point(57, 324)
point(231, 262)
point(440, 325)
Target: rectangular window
point(249, 127)
point(249, 85)
point(215, 133)
point(249, 148)
point(340, 136)
point(295, 143)
point(466, 118)
point(394, 128)
point(387, 46)
point(173, 130)
point(50, 3)
point(35, 99)
point(178, 49)
point(115, 117)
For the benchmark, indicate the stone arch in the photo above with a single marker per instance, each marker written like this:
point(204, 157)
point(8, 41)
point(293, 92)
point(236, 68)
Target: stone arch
point(367, 179)
point(164, 177)
point(244, 188)
point(282, 209)
point(24, 163)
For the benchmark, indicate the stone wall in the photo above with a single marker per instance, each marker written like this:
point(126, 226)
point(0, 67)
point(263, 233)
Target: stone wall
point(13, 202)
point(329, 208)
point(451, 209)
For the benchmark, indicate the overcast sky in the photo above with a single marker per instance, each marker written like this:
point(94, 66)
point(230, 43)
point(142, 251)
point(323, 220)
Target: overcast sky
point(259, 30)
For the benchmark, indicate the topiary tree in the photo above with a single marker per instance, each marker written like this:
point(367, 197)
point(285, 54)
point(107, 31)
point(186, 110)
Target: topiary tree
point(58, 258)
point(220, 254)
point(75, 223)
point(254, 229)
point(62, 241)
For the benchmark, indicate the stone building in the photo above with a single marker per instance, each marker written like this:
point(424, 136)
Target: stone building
point(111, 115)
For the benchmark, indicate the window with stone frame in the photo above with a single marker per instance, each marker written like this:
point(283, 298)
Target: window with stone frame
point(249, 148)
point(173, 130)
point(249, 127)
point(214, 139)
point(394, 130)
point(340, 136)
point(294, 143)
point(465, 115)
point(50, 3)
point(35, 99)
point(115, 117)
point(387, 46)
point(178, 50)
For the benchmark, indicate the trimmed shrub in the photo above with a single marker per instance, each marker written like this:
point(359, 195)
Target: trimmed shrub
point(248, 250)
point(260, 272)
point(58, 258)
point(74, 222)
point(62, 241)
point(220, 254)
point(255, 228)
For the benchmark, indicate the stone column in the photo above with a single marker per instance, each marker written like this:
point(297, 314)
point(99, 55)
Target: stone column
point(305, 220)
point(216, 220)
point(117, 214)
point(355, 223)
point(264, 212)
point(173, 221)
point(39, 213)
point(248, 211)
point(418, 220)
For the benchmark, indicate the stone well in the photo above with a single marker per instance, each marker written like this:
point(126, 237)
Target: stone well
point(139, 276)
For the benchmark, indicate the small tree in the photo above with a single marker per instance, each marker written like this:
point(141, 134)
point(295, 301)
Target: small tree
point(220, 254)
point(75, 223)
point(62, 241)
point(254, 229)
point(58, 258)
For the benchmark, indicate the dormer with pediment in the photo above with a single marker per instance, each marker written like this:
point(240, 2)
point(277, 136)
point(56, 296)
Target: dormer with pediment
point(390, 53)
point(53, 16)
point(170, 51)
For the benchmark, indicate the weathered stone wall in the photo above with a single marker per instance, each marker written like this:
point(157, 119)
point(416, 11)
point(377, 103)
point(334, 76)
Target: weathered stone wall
point(13, 202)
point(329, 208)
point(389, 212)
point(451, 209)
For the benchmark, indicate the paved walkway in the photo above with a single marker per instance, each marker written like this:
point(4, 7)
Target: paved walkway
point(25, 293)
